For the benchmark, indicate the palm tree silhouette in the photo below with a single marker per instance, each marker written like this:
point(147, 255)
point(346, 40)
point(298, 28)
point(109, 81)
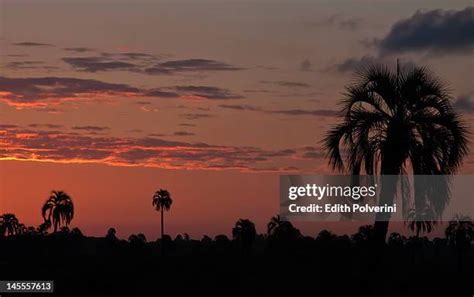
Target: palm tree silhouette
point(9, 224)
point(58, 209)
point(460, 231)
point(275, 223)
point(245, 233)
point(395, 122)
point(162, 202)
point(420, 221)
point(281, 229)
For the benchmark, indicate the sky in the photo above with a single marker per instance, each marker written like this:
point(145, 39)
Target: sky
point(212, 100)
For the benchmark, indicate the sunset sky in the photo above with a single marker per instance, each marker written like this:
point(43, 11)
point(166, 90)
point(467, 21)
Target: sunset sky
point(212, 100)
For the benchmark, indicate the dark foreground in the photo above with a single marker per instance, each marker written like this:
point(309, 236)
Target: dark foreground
point(325, 266)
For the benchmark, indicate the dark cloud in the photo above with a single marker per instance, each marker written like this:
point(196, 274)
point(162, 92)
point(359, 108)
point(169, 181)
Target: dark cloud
point(190, 65)
point(207, 92)
point(436, 31)
point(28, 65)
point(310, 152)
point(354, 64)
point(290, 112)
point(465, 103)
point(183, 133)
point(187, 125)
point(91, 128)
point(36, 92)
point(161, 93)
point(240, 107)
point(29, 43)
point(79, 49)
point(138, 56)
point(96, 64)
point(306, 112)
point(288, 84)
point(30, 90)
point(196, 116)
point(8, 126)
point(48, 126)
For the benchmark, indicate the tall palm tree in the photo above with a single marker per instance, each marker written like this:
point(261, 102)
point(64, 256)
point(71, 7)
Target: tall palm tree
point(162, 202)
point(396, 122)
point(9, 224)
point(58, 209)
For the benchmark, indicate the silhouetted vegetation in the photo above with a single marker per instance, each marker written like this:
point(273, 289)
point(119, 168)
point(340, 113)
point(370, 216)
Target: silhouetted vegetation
point(397, 123)
point(88, 266)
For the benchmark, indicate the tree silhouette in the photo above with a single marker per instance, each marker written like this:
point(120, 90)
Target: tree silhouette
point(58, 209)
point(460, 231)
point(420, 222)
point(9, 224)
point(282, 230)
point(43, 227)
point(395, 122)
point(162, 202)
point(244, 232)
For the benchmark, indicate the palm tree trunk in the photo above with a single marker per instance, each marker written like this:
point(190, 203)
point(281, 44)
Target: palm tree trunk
point(162, 224)
point(162, 232)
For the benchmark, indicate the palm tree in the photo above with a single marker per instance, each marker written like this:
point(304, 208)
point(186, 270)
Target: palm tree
point(281, 229)
point(9, 224)
point(420, 222)
point(245, 233)
point(460, 231)
point(162, 202)
point(58, 209)
point(394, 123)
point(274, 223)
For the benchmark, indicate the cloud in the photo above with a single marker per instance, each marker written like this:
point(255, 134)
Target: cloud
point(39, 92)
point(306, 66)
point(31, 44)
point(96, 64)
point(34, 92)
point(28, 65)
point(7, 126)
point(339, 21)
point(240, 107)
point(190, 65)
point(91, 128)
point(192, 92)
point(305, 112)
point(151, 151)
point(289, 112)
point(196, 116)
point(183, 133)
point(161, 93)
point(435, 31)
point(287, 84)
point(354, 64)
point(47, 126)
point(138, 56)
point(465, 103)
point(206, 92)
point(79, 49)
point(310, 152)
